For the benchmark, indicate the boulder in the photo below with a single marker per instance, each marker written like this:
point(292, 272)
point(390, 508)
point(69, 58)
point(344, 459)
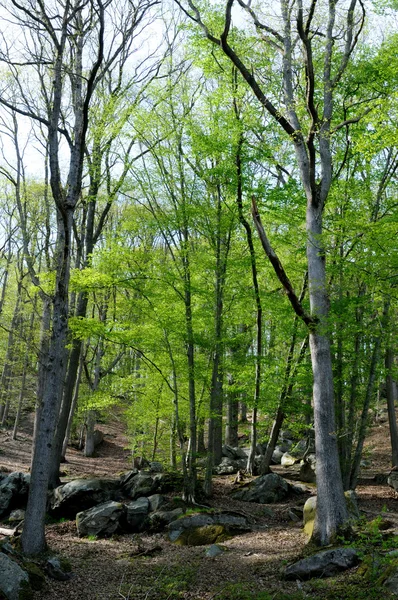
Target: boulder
point(323, 564)
point(156, 501)
point(288, 460)
point(16, 516)
point(100, 521)
point(277, 455)
point(156, 467)
point(392, 480)
point(81, 494)
point(13, 580)
point(214, 550)
point(228, 466)
point(137, 513)
point(309, 511)
point(13, 491)
point(266, 489)
point(142, 484)
point(307, 472)
point(98, 437)
point(55, 571)
point(206, 528)
point(159, 519)
point(235, 453)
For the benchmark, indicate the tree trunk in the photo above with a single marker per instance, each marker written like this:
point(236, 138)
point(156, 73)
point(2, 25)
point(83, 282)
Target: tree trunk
point(72, 410)
point(231, 428)
point(389, 363)
point(91, 420)
point(331, 507)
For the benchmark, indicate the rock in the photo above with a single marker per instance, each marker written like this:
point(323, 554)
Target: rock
point(13, 491)
point(234, 453)
point(55, 571)
point(159, 519)
point(136, 514)
point(98, 437)
point(140, 485)
point(155, 467)
point(16, 515)
point(228, 466)
point(277, 455)
point(100, 521)
point(261, 448)
point(156, 501)
point(228, 451)
point(81, 494)
point(288, 460)
point(393, 480)
point(266, 489)
point(295, 514)
point(309, 513)
point(323, 564)
point(214, 550)
point(307, 473)
point(310, 510)
point(206, 528)
point(13, 580)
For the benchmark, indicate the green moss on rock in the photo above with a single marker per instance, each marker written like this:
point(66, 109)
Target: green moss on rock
point(202, 536)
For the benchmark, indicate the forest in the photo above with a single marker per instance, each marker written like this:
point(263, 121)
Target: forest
point(198, 246)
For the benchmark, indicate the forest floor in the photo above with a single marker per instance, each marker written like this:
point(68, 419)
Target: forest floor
point(251, 566)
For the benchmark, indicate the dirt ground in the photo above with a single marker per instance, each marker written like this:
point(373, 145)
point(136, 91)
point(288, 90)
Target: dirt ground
point(250, 566)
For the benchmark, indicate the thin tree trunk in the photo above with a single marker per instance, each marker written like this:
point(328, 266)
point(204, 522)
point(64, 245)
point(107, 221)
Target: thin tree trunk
point(356, 463)
point(72, 408)
point(389, 363)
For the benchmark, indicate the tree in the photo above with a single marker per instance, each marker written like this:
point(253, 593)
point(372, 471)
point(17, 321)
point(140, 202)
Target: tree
point(65, 40)
point(306, 35)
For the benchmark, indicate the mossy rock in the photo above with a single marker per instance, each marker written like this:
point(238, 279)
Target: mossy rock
point(202, 536)
point(309, 511)
point(36, 575)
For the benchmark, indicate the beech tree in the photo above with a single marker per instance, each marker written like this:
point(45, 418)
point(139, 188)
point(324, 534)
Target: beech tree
point(309, 34)
point(68, 47)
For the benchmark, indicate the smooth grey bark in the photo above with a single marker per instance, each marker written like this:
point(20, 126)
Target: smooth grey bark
point(231, 427)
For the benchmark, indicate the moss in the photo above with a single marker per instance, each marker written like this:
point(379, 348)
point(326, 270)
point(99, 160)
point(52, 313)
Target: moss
point(201, 536)
point(36, 575)
point(25, 593)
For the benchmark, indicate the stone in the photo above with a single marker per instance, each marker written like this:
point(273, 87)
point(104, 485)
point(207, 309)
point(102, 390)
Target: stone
point(98, 437)
point(309, 511)
point(16, 515)
point(81, 494)
point(140, 485)
point(277, 455)
point(156, 501)
point(13, 579)
point(229, 466)
point(155, 467)
point(288, 460)
point(100, 521)
point(323, 564)
point(14, 489)
point(392, 480)
point(294, 516)
point(206, 528)
point(55, 571)
point(307, 472)
point(136, 514)
point(214, 550)
point(266, 489)
point(159, 519)
point(228, 451)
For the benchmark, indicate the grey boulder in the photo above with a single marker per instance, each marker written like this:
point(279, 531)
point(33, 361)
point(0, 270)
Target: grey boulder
point(13, 579)
point(13, 491)
point(266, 489)
point(100, 521)
point(137, 513)
point(323, 564)
point(81, 494)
